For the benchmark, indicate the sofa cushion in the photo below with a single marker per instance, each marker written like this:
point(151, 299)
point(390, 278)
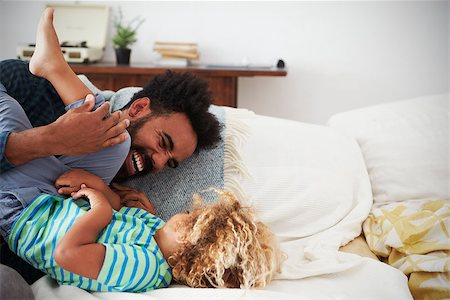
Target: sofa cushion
point(405, 147)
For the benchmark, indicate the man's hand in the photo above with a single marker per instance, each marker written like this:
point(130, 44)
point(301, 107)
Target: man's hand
point(133, 198)
point(79, 131)
point(82, 131)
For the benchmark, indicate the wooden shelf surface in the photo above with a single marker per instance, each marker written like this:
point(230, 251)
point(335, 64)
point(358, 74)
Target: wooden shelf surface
point(223, 80)
point(150, 69)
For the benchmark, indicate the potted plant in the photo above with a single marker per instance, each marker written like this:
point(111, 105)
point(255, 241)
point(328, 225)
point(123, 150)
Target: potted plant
point(125, 36)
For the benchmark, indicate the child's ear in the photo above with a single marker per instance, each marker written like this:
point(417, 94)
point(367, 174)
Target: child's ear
point(139, 107)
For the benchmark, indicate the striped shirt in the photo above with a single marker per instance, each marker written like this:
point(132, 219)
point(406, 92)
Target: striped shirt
point(133, 261)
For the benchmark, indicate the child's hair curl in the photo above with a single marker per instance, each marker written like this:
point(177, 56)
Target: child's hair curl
point(226, 248)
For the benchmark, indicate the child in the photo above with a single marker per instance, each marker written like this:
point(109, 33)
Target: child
point(101, 246)
point(220, 245)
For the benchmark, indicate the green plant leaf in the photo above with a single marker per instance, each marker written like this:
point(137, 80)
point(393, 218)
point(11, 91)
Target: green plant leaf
point(125, 35)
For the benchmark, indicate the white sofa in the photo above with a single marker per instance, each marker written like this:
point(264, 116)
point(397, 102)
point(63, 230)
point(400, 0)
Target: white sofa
point(315, 186)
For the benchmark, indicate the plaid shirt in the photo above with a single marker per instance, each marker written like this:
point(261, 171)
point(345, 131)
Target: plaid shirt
point(36, 95)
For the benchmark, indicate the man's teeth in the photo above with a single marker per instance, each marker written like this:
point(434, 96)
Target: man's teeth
point(139, 163)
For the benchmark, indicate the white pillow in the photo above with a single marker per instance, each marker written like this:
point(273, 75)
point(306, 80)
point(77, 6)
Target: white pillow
point(305, 178)
point(405, 146)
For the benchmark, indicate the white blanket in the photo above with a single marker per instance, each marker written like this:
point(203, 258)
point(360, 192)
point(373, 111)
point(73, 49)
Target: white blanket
point(310, 185)
point(370, 280)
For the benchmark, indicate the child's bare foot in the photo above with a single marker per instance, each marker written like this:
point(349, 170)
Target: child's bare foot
point(47, 57)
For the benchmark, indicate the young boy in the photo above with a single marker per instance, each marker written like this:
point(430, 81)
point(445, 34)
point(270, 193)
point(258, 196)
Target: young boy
point(98, 245)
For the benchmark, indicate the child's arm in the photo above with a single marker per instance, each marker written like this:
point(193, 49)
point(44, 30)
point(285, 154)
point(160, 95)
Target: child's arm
point(78, 251)
point(72, 180)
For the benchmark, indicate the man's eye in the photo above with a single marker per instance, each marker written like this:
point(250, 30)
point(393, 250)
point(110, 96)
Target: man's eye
point(162, 142)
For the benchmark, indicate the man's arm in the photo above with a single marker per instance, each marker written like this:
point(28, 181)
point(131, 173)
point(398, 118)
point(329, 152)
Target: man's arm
point(79, 131)
point(4, 163)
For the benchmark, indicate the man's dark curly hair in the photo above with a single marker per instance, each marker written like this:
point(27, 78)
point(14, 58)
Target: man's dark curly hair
point(185, 93)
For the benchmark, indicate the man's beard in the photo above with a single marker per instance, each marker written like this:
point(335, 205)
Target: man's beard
point(136, 125)
point(137, 162)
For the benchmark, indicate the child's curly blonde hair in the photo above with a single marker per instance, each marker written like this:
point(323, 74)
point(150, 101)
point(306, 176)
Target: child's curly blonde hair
point(226, 247)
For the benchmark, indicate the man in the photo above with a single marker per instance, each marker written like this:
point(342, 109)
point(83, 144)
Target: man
point(177, 103)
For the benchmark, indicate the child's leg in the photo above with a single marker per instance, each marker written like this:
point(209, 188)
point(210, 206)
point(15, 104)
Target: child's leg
point(48, 62)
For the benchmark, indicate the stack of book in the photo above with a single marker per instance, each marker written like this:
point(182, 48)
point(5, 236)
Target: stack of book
point(176, 54)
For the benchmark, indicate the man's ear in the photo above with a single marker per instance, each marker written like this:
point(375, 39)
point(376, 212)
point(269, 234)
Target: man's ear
point(139, 107)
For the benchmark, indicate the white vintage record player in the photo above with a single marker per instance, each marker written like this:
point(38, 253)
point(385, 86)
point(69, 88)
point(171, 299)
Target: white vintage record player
point(81, 31)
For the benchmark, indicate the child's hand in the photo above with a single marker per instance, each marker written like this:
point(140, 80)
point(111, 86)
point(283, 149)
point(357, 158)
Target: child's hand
point(71, 181)
point(95, 197)
point(130, 197)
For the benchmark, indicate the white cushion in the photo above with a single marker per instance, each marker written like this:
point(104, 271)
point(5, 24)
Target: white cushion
point(405, 146)
point(305, 178)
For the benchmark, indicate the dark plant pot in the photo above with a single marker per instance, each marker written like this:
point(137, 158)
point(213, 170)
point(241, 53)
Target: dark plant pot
point(123, 56)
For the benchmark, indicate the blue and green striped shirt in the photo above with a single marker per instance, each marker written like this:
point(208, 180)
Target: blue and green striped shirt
point(133, 261)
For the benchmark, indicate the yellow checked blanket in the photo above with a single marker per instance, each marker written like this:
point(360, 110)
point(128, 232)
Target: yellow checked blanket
point(413, 236)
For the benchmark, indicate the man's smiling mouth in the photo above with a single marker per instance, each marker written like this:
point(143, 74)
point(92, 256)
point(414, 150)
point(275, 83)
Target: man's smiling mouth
point(138, 161)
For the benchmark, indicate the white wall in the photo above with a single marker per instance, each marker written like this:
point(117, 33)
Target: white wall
point(340, 55)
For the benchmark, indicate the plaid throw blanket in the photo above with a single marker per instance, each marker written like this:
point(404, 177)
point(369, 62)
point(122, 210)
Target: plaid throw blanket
point(413, 236)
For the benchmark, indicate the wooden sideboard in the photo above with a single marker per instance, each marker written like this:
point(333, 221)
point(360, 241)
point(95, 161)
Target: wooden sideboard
point(223, 81)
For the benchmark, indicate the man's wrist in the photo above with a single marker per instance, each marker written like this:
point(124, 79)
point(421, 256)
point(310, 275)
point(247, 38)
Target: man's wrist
point(50, 142)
